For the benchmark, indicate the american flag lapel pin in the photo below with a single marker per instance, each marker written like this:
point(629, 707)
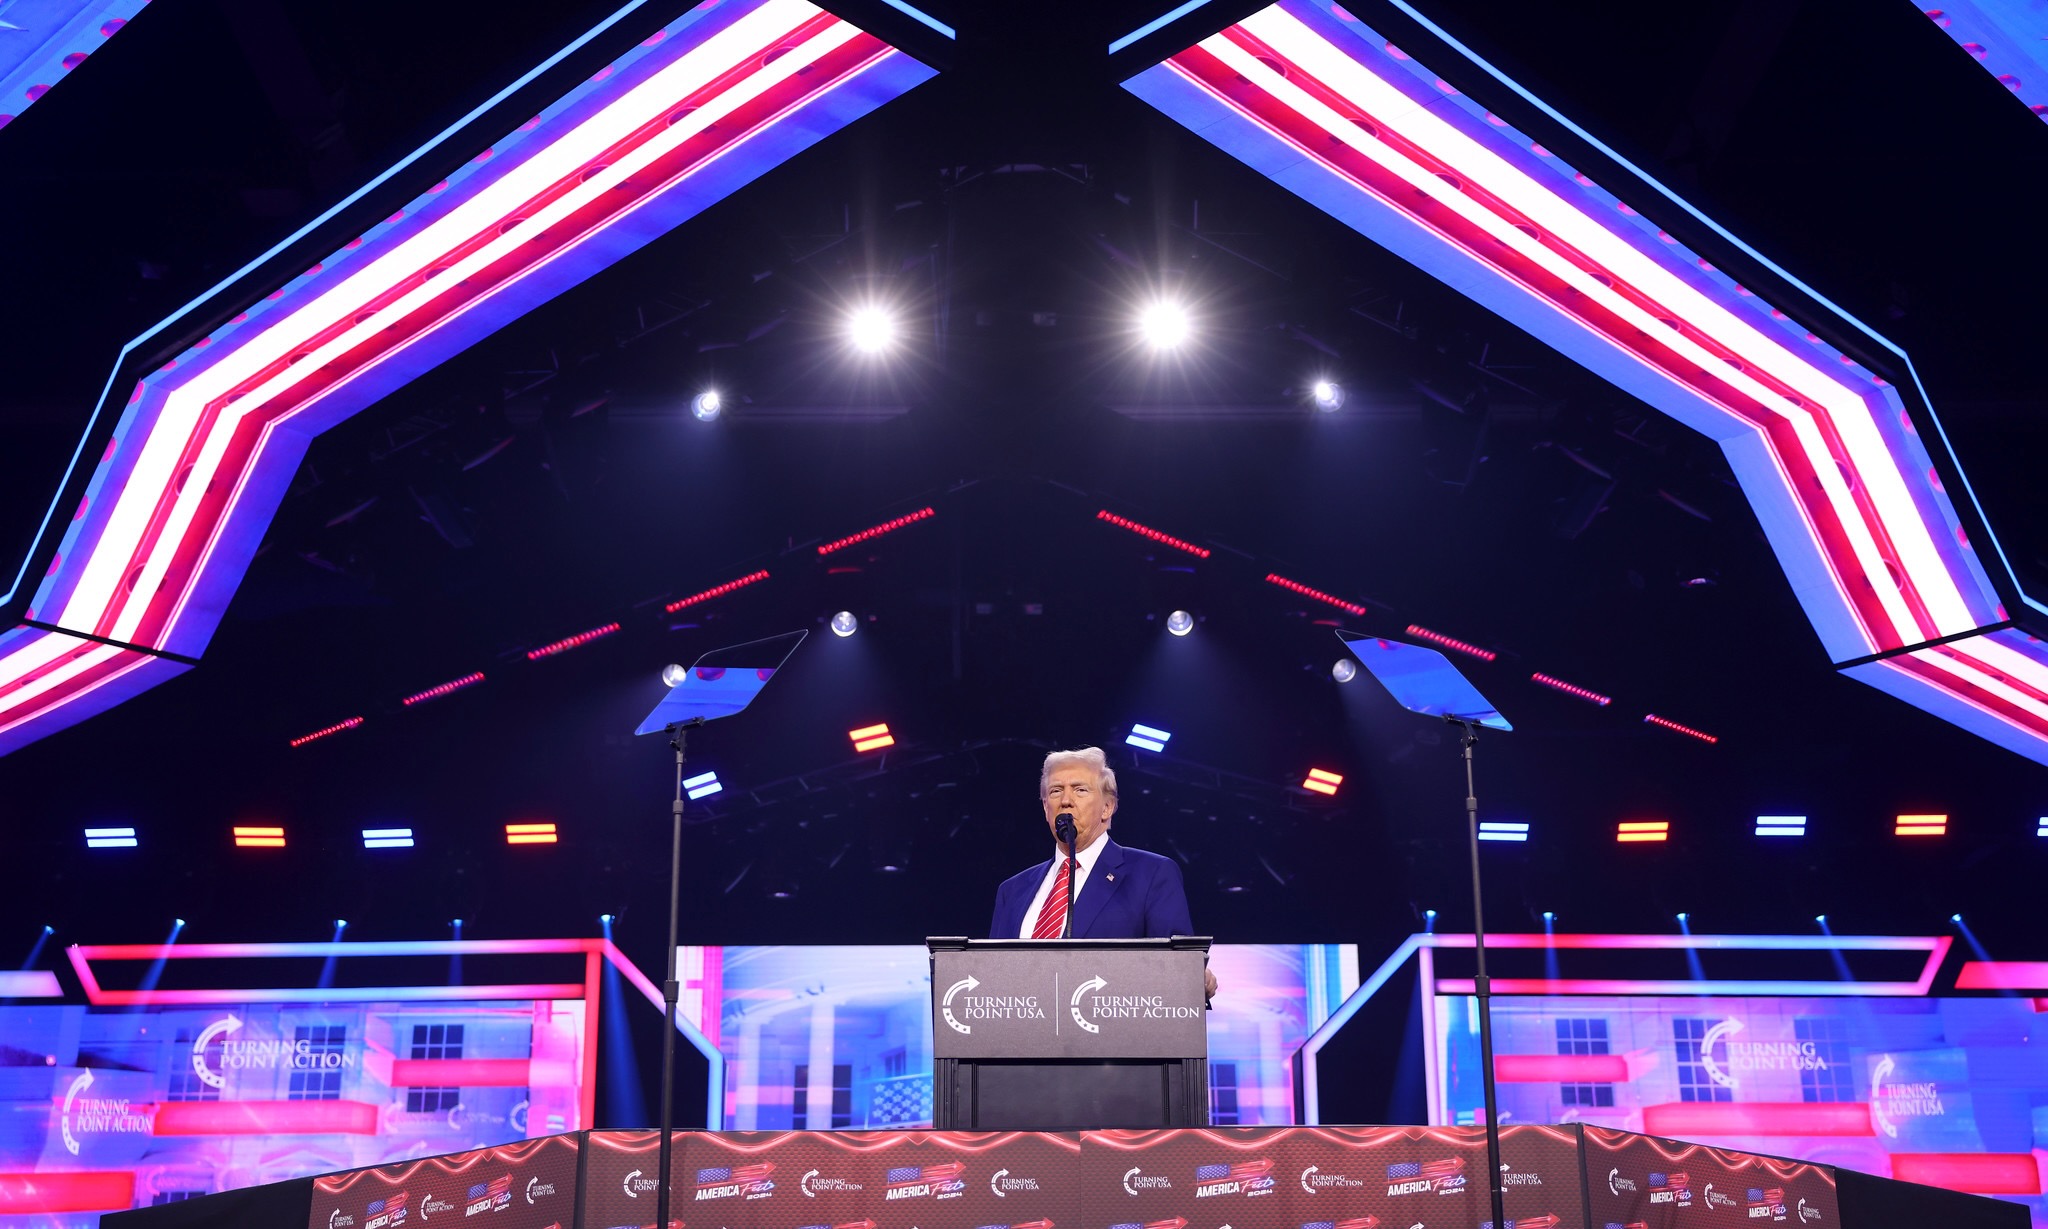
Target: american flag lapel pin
point(1112, 876)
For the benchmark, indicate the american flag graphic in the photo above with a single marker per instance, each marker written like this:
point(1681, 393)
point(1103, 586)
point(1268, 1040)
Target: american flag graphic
point(1768, 1195)
point(1240, 1171)
point(905, 1175)
point(1356, 1222)
point(479, 1190)
point(1676, 1182)
point(1526, 1222)
point(1444, 1168)
point(735, 1173)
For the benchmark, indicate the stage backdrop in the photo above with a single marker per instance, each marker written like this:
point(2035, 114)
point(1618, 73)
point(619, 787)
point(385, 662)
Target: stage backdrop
point(823, 1037)
point(1943, 1091)
point(108, 1108)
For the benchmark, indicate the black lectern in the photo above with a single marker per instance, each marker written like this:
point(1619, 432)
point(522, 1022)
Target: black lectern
point(1069, 1034)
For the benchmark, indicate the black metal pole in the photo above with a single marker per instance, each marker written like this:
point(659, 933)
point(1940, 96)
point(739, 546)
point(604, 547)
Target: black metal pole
point(1482, 991)
point(670, 989)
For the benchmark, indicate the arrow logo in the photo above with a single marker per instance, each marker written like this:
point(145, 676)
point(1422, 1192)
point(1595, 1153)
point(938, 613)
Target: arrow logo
point(206, 1074)
point(1612, 1174)
point(1304, 1179)
point(995, 1183)
point(628, 1184)
point(1074, 1003)
point(1716, 1036)
point(1884, 1068)
point(79, 1085)
point(946, 1007)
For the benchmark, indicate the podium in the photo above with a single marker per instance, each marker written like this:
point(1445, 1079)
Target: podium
point(1069, 1034)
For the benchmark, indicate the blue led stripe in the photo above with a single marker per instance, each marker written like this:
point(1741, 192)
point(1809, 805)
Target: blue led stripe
point(1156, 23)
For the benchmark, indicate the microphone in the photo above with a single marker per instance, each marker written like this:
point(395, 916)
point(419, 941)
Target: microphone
point(1063, 829)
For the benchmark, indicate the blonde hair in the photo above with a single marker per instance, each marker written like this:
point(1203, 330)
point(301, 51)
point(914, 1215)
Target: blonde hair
point(1083, 757)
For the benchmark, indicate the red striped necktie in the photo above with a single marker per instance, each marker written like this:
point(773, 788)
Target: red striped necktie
point(1052, 919)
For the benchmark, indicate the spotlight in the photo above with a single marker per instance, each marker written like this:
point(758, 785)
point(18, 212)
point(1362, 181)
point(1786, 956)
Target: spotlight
point(871, 329)
point(605, 919)
point(1822, 918)
point(1957, 918)
point(673, 674)
point(49, 930)
point(844, 624)
point(1329, 395)
point(1345, 670)
point(1684, 917)
point(705, 406)
point(1180, 623)
point(176, 921)
point(341, 923)
point(1548, 916)
point(1164, 324)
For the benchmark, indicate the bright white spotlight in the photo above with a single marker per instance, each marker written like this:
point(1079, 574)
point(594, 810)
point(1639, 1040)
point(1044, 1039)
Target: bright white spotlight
point(706, 405)
point(1329, 395)
point(671, 674)
point(341, 923)
point(871, 329)
point(844, 624)
point(1345, 670)
point(1180, 623)
point(1165, 324)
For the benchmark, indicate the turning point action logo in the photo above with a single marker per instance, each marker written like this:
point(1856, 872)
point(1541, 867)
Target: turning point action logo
point(1314, 1181)
point(1099, 1006)
point(83, 1115)
point(813, 1183)
point(263, 1054)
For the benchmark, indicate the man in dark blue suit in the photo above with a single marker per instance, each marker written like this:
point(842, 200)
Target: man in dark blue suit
point(1117, 892)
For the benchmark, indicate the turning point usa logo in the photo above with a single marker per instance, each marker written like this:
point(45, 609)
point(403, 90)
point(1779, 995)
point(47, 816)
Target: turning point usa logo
point(1444, 1176)
point(1244, 1178)
point(916, 1181)
point(728, 1181)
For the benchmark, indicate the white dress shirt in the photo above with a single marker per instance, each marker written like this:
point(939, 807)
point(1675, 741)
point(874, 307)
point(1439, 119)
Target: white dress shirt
point(1082, 862)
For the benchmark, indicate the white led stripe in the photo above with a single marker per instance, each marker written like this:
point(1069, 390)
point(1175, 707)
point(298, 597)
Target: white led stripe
point(31, 657)
point(215, 447)
point(1849, 413)
point(2004, 658)
point(1983, 682)
point(1424, 180)
point(98, 654)
point(154, 469)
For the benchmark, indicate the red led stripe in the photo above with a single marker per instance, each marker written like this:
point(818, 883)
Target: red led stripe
point(1572, 689)
point(1146, 531)
point(571, 642)
point(435, 693)
point(1274, 578)
point(876, 531)
point(336, 728)
point(1450, 642)
point(1686, 730)
point(719, 591)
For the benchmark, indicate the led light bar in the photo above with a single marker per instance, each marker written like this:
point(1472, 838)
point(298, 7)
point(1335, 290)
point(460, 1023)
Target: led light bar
point(182, 470)
point(1496, 830)
point(576, 641)
point(876, 531)
point(872, 737)
point(1146, 531)
point(1631, 831)
point(1781, 825)
point(2042, 830)
point(387, 838)
point(110, 838)
point(1572, 689)
point(1921, 825)
point(39, 55)
point(1147, 737)
point(1668, 724)
point(1295, 586)
point(1322, 781)
point(258, 837)
point(702, 786)
point(1450, 642)
point(1842, 464)
point(530, 834)
point(435, 693)
point(716, 591)
point(336, 728)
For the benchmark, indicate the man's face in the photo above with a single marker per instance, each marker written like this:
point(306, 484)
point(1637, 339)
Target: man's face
point(1078, 790)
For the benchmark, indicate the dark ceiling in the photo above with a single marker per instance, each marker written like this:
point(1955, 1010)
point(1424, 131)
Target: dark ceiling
point(551, 480)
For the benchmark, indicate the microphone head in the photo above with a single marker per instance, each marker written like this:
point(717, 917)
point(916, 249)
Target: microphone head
point(1063, 828)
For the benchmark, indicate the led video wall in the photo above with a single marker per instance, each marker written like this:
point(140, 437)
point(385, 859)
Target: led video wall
point(111, 1108)
point(841, 1037)
point(1950, 1092)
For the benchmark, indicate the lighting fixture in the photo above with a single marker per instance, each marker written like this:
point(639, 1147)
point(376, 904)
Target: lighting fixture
point(871, 329)
point(702, 786)
point(1548, 916)
point(673, 674)
point(1345, 670)
point(1450, 642)
point(604, 919)
point(844, 624)
point(1683, 918)
point(1781, 825)
point(336, 728)
point(1180, 623)
point(435, 693)
point(1921, 825)
point(1688, 731)
point(1164, 324)
point(341, 923)
point(1631, 831)
point(1148, 737)
point(2042, 829)
point(872, 737)
point(1295, 586)
point(576, 641)
point(530, 834)
point(387, 838)
point(270, 837)
point(1572, 689)
point(1957, 918)
point(1495, 830)
point(1146, 531)
point(1329, 395)
point(110, 838)
point(1821, 918)
point(705, 406)
point(876, 531)
point(716, 591)
point(1322, 781)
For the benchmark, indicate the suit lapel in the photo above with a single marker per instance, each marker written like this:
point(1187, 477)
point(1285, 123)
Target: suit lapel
point(1024, 898)
point(1103, 881)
